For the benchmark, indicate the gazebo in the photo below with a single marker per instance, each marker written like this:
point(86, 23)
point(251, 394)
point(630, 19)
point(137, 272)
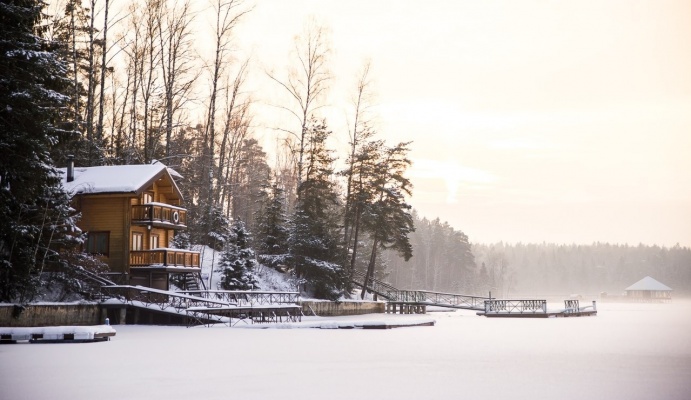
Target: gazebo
point(649, 290)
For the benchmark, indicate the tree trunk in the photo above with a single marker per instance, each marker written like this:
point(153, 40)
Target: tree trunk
point(370, 268)
point(99, 131)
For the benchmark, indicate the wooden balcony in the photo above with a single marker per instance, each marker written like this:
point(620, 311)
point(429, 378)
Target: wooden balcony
point(159, 215)
point(165, 258)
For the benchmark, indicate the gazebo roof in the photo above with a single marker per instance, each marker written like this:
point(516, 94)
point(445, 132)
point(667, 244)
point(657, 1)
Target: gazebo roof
point(650, 284)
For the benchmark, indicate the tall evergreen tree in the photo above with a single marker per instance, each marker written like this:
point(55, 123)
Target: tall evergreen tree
point(388, 216)
point(34, 210)
point(272, 235)
point(238, 263)
point(315, 237)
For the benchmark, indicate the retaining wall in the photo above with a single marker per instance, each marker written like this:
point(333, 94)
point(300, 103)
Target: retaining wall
point(76, 314)
point(54, 314)
point(332, 309)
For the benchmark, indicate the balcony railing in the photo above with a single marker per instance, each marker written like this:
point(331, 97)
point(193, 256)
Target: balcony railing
point(164, 258)
point(159, 214)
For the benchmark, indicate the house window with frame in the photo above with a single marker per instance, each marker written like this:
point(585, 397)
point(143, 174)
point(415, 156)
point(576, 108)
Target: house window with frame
point(147, 198)
point(137, 241)
point(98, 243)
point(154, 241)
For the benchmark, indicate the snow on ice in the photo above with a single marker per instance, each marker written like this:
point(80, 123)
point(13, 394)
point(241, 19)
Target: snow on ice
point(629, 351)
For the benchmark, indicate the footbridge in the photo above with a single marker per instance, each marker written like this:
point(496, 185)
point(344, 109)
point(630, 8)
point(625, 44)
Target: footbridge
point(204, 307)
point(411, 300)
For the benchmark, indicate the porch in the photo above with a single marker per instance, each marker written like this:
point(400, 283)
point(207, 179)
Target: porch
point(164, 258)
point(155, 268)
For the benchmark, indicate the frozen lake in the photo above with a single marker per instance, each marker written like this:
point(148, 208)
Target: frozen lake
point(629, 351)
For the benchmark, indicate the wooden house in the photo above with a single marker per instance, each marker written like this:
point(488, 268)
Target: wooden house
point(131, 214)
point(649, 290)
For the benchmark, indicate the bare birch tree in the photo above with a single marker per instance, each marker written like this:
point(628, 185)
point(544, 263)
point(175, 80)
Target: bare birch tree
point(359, 132)
point(149, 80)
point(104, 66)
point(235, 130)
point(227, 15)
point(306, 84)
point(177, 66)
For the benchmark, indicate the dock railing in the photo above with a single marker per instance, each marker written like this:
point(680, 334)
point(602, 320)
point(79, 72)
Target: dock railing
point(247, 297)
point(516, 306)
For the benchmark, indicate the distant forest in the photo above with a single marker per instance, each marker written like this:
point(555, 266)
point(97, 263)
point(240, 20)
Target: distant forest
point(444, 260)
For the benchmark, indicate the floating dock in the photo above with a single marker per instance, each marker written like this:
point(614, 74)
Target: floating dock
point(57, 334)
point(535, 309)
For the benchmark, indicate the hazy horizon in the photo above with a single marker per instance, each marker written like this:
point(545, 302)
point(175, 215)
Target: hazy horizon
point(531, 122)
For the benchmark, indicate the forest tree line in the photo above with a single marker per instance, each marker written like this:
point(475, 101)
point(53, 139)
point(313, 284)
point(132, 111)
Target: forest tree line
point(445, 261)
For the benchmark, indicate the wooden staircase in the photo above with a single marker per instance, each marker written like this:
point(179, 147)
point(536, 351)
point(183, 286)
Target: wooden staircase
point(191, 281)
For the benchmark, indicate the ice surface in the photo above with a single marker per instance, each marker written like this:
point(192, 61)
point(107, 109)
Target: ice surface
point(629, 351)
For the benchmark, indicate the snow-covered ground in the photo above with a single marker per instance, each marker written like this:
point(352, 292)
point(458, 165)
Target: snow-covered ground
point(629, 351)
point(269, 279)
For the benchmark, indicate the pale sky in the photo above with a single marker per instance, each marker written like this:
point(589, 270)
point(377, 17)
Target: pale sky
point(531, 121)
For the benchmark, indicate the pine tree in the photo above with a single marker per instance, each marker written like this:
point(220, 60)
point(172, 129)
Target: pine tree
point(272, 235)
point(72, 30)
point(387, 215)
point(315, 236)
point(35, 217)
point(238, 263)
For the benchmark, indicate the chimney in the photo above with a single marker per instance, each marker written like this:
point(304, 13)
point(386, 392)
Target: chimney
point(70, 168)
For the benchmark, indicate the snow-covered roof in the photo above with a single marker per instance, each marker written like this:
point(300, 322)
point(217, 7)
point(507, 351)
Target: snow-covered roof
point(649, 283)
point(114, 178)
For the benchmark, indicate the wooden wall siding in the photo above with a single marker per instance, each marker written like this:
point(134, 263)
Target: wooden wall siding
point(108, 214)
point(164, 192)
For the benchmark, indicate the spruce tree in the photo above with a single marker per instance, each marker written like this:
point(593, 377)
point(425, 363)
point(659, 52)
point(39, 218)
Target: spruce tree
point(315, 234)
point(35, 218)
point(238, 263)
point(272, 224)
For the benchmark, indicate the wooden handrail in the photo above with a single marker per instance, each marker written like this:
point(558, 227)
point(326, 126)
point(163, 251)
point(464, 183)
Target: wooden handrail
point(151, 213)
point(165, 257)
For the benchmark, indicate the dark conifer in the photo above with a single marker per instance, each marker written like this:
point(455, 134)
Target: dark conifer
point(35, 222)
point(238, 263)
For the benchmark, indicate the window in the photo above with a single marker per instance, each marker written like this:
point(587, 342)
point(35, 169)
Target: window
point(147, 198)
point(154, 241)
point(137, 240)
point(98, 243)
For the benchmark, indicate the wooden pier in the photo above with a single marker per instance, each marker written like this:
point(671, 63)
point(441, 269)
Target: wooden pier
point(395, 307)
point(208, 307)
point(257, 314)
point(535, 309)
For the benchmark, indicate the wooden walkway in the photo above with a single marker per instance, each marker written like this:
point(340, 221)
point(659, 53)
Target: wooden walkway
point(208, 307)
point(416, 301)
point(254, 314)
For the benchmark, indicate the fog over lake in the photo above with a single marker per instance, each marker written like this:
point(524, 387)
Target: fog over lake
point(628, 351)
